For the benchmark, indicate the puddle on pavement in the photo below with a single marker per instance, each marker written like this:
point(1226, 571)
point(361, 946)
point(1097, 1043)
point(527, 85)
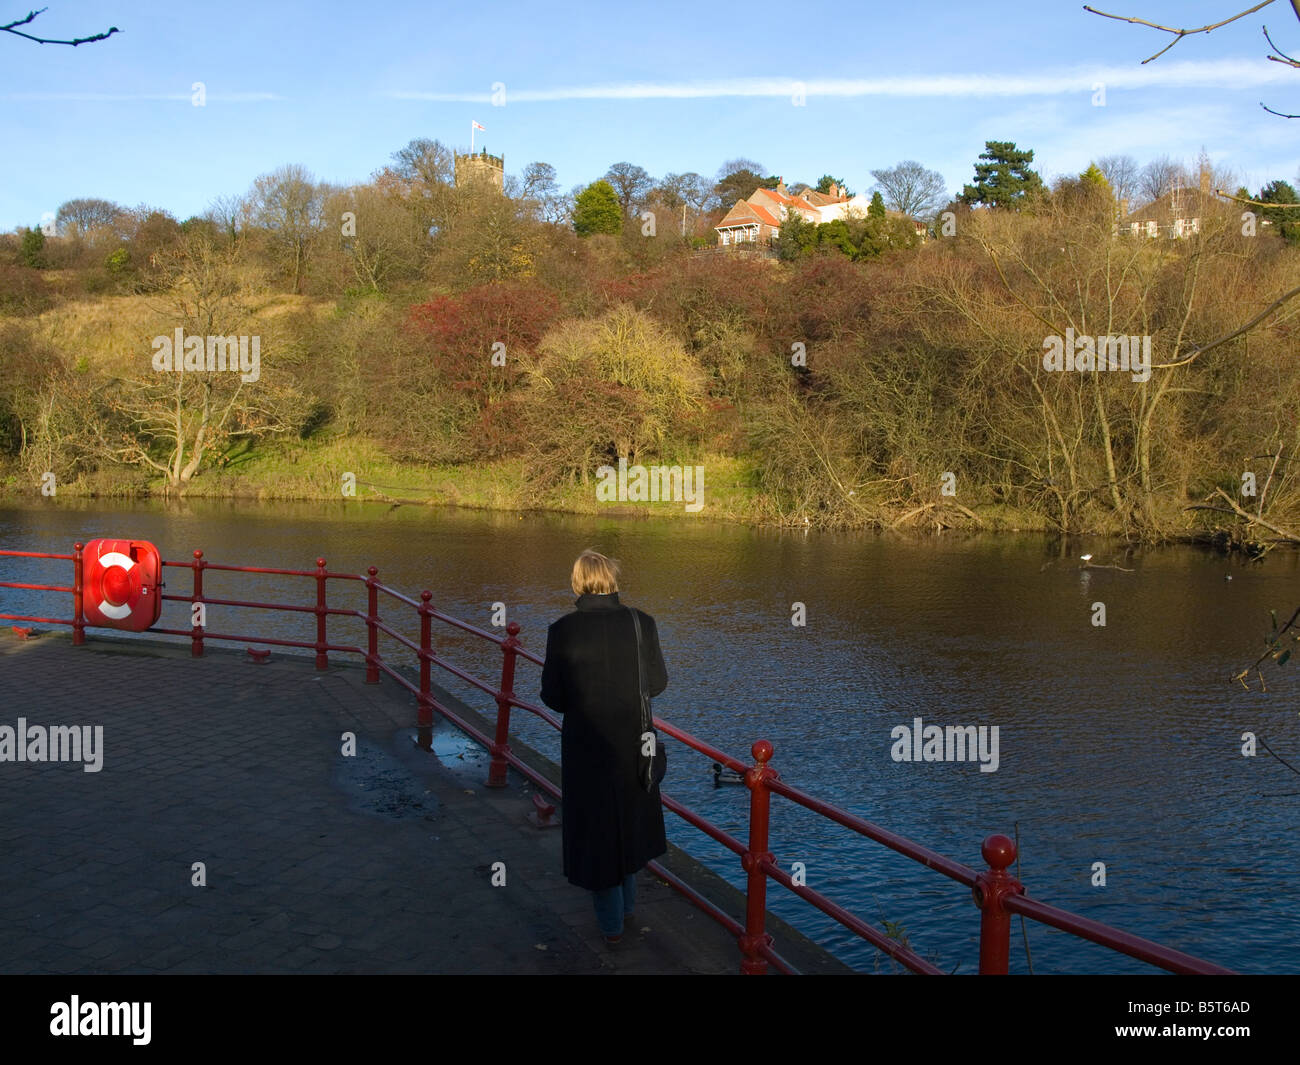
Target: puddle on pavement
point(376, 782)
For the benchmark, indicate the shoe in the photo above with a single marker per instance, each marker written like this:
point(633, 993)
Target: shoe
point(613, 940)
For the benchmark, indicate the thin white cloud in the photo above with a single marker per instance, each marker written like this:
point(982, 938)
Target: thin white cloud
point(113, 97)
point(1204, 74)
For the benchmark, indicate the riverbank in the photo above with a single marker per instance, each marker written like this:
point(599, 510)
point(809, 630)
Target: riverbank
point(318, 471)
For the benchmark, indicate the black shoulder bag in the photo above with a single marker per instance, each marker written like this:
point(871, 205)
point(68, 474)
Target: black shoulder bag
point(650, 768)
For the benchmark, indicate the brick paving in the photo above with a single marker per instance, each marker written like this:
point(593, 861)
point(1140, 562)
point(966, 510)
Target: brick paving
point(315, 862)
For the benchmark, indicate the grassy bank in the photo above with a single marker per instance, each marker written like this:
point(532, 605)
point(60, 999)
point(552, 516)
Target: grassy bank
point(313, 471)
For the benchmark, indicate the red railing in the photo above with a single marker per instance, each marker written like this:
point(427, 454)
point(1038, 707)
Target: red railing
point(996, 892)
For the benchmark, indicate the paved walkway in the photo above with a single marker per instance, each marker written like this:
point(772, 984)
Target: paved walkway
point(314, 862)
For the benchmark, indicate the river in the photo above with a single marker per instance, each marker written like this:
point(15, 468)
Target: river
point(1118, 743)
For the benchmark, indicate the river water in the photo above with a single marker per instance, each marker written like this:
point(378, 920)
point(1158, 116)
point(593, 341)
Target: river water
point(1118, 743)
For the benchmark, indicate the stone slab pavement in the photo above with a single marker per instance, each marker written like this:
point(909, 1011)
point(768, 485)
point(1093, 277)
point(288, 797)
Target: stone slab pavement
point(312, 862)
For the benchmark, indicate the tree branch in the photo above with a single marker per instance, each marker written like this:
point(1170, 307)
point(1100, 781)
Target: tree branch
point(1178, 34)
point(1234, 334)
point(1254, 203)
point(10, 28)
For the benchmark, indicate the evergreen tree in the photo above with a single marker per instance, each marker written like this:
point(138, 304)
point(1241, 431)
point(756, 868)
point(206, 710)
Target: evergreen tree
point(1004, 179)
point(1286, 221)
point(826, 181)
point(1094, 177)
point(32, 250)
point(596, 210)
point(877, 208)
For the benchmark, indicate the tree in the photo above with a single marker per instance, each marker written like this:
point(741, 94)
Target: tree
point(174, 422)
point(1287, 222)
point(289, 204)
point(32, 249)
point(672, 191)
point(740, 185)
point(426, 162)
point(80, 219)
point(1005, 179)
point(1096, 179)
point(12, 27)
point(540, 189)
point(375, 236)
point(911, 188)
point(825, 182)
point(734, 166)
point(596, 210)
point(796, 237)
point(877, 207)
point(631, 183)
point(1161, 176)
point(1121, 173)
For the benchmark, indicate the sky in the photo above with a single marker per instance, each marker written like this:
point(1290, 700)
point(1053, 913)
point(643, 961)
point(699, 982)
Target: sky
point(805, 89)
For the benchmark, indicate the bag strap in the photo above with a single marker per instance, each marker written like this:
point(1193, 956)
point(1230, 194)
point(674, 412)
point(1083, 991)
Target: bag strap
point(647, 721)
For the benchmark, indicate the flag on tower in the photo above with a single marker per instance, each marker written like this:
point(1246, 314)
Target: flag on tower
point(483, 128)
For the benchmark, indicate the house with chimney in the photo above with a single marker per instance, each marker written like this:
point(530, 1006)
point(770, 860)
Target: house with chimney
point(757, 220)
point(1181, 212)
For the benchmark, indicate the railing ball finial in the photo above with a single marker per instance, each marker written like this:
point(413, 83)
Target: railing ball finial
point(320, 563)
point(79, 546)
point(197, 555)
point(373, 570)
point(512, 628)
point(425, 596)
point(762, 750)
point(999, 851)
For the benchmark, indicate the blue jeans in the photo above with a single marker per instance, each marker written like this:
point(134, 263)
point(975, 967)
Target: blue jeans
point(613, 903)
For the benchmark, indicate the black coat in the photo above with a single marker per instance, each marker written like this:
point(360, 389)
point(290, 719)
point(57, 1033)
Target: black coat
point(612, 826)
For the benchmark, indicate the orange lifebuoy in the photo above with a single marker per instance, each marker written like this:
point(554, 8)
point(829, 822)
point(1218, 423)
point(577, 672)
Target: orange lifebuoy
point(121, 581)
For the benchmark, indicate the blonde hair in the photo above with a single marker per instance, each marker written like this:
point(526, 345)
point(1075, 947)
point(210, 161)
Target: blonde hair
point(594, 574)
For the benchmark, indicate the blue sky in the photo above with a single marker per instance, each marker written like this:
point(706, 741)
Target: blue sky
point(339, 87)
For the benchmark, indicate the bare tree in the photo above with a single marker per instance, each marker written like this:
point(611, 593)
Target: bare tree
point(735, 166)
point(174, 422)
point(1161, 176)
point(12, 27)
point(81, 219)
point(288, 203)
point(376, 235)
point(1122, 173)
point(632, 183)
point(426, 161)
point(540, 187)
point(911, 188)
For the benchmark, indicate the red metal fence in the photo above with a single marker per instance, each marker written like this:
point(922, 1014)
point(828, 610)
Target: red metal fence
point(996, 892)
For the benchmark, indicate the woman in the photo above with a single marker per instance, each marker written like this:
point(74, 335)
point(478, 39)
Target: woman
point(612, 825)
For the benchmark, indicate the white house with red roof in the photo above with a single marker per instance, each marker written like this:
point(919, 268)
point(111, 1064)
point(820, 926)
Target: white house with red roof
point(758, 219)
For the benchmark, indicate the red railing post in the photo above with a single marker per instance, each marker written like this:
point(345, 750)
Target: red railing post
point(372, 616)
point(78, 622)
point(322, 655)
point(499, 768)
point(425, 718)
point(196, 596)
point(990, 889)
point(760, 800)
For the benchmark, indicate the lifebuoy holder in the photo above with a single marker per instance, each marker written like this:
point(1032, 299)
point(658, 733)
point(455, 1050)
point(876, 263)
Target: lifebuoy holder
point(121, 584)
